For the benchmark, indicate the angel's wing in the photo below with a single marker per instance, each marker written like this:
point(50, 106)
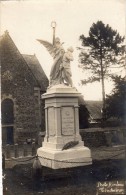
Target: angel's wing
point(51, 48)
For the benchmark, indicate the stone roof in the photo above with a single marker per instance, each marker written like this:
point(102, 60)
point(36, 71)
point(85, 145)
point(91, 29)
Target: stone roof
point(32, 63)
point(94, 108)
point(37, 70)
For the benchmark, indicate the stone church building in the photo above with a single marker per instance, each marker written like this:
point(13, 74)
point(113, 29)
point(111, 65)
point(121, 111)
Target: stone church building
point(23, 81)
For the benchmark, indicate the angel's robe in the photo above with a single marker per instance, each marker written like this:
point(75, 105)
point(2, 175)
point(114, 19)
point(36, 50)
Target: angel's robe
point(66, 71)
point(55, 73)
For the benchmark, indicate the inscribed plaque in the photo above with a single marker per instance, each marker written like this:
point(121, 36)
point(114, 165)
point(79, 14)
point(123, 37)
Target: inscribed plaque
point(67, 115)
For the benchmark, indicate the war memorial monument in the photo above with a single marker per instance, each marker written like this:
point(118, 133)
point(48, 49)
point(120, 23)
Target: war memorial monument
point(62, 146)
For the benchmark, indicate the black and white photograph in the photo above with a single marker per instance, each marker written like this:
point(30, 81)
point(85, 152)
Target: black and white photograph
point(63, 97)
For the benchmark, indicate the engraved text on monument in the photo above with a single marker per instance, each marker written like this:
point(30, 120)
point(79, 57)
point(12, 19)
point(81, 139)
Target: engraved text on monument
point(67, 120)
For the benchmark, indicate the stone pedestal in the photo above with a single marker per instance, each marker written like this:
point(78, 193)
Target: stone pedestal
point(62, 127)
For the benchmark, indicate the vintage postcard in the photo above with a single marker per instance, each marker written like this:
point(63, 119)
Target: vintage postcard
point(63, 97)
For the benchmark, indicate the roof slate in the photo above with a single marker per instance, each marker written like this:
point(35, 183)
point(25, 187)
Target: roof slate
point(94, 108)
point(33, 64)
point(37, 70)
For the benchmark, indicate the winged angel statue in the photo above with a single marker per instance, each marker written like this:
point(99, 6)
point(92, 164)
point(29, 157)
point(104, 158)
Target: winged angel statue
point(60, 72)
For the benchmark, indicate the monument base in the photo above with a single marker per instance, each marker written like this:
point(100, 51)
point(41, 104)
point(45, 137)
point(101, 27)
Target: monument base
point(57, 159)
point(62, 128)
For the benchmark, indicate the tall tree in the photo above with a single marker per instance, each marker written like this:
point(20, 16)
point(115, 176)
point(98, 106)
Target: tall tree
point(101, 50)
point(116, 101)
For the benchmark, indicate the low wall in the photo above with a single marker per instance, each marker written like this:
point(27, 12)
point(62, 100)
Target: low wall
point(96, 137)
point(93, 138)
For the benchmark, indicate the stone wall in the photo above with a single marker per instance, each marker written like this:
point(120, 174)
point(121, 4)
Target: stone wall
point(18, 82)
point(96, 137)
point(93, 138)
point(42, 108)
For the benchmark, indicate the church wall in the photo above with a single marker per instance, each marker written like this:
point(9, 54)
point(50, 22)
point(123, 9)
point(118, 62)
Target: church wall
point(18, 82)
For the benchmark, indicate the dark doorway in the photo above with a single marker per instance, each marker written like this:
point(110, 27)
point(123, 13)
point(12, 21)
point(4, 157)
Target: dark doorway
point(7, 111)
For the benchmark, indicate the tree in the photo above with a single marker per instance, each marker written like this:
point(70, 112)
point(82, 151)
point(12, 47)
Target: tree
point(116, 101)
point(101, 50)
point(83, 117)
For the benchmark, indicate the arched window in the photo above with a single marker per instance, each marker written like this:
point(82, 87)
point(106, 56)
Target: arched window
point(7, 111)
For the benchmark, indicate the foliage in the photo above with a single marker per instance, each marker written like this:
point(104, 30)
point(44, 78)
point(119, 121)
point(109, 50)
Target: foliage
point(101, 50)
point(83, 117)
point(116, 102)
point(70, 144)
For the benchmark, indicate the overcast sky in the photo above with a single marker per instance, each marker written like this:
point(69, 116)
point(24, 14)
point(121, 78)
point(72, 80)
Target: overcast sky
point(29, 20)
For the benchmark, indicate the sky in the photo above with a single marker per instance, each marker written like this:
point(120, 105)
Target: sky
point(29, 20)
